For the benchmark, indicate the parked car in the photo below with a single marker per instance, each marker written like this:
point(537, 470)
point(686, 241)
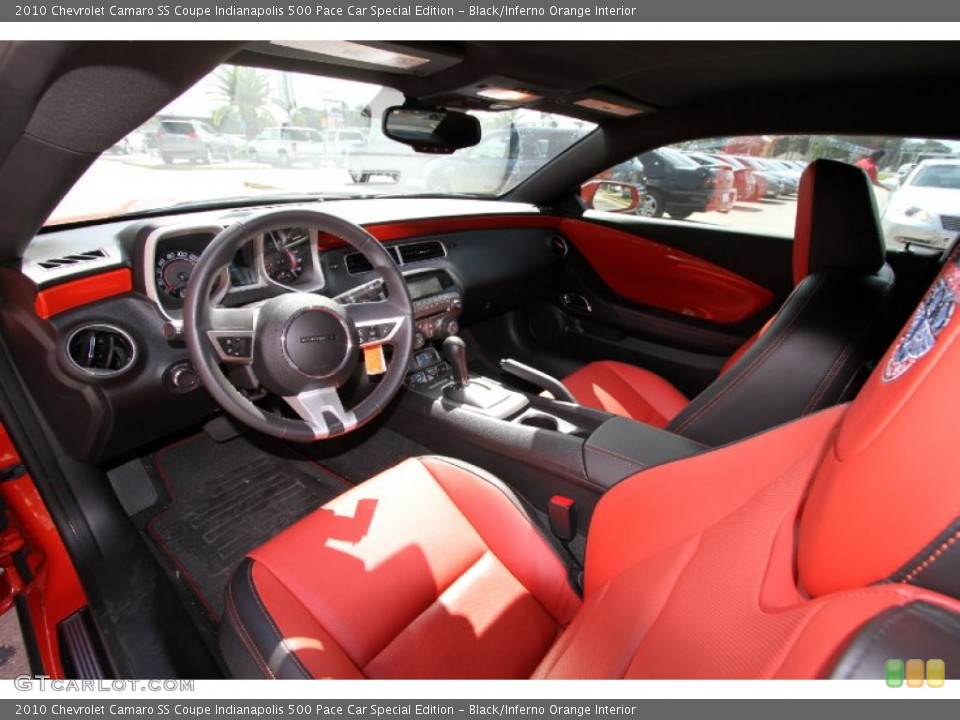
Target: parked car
point(287, 145)
point(773, 182)
point(750, 185)
point(679, 186)
point(925, 209)
point(342, 141)
point(743, 180)
point(789, 177)
point(191, 140)
point(504, 156)
point(726, 177)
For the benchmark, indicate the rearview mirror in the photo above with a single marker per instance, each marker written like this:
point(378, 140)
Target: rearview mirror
point(433, 130)
point(610, 196)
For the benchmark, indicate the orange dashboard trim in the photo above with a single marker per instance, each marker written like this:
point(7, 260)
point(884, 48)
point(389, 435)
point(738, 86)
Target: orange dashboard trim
point(86, 290)
point(385, 232)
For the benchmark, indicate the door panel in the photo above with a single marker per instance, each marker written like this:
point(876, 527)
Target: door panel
point(677, 299)
point(650, 273)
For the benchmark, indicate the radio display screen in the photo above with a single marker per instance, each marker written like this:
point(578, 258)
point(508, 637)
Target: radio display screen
point(421, 286)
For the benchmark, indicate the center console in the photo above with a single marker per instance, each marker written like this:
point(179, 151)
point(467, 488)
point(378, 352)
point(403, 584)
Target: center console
point(539, 445)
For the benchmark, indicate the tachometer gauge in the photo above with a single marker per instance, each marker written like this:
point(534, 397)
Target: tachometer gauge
point(284, 254)
point(173, 272)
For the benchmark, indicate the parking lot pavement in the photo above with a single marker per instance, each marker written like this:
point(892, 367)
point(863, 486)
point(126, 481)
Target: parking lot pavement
point(774, 217)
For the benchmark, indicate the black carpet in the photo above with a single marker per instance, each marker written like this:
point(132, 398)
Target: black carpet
point(227, 499)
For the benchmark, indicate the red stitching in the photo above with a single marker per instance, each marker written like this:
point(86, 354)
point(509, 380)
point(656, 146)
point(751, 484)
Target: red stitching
point(251, 646)
point(932, 559)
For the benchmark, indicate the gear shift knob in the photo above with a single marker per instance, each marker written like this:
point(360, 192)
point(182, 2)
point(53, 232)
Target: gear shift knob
point(455, 352)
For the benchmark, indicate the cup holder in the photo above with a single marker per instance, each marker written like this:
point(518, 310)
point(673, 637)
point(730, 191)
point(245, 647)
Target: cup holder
point(538, 420)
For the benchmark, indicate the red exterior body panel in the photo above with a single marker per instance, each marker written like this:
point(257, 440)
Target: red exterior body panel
point(55, 592)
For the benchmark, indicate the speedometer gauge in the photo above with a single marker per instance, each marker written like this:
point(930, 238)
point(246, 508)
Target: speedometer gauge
point(173, 272)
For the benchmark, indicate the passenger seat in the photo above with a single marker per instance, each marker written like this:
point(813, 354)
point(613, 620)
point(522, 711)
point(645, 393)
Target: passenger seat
point(812, 354)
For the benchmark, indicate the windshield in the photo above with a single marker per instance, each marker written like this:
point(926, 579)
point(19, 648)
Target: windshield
point(938, 176)
point(246, 133)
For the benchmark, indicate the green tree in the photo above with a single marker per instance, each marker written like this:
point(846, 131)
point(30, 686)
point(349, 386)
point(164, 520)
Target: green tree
point(309, 117)
point(244, 94)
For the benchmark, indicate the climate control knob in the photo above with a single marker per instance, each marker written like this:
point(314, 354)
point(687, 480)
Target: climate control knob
point(452, 327)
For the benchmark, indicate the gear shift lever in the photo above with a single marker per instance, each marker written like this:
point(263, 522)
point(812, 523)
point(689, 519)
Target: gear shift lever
point(479, 394)
point(455, 353)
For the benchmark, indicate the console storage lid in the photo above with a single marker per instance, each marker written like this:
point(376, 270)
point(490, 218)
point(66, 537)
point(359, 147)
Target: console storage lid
point(621, 447)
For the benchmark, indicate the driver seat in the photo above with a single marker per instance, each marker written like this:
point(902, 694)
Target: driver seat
point(820, 548)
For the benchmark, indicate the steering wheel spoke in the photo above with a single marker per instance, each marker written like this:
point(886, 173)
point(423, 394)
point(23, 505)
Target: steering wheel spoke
point(323, 411)
point(232, 332)
point(377, 323)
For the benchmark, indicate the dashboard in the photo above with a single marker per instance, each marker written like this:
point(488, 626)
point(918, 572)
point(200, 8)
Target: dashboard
point(118, 289)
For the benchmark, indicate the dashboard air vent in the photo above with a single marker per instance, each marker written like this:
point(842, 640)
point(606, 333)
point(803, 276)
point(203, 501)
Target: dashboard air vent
point(73, 259)
point(427, 250)
point(101, 350)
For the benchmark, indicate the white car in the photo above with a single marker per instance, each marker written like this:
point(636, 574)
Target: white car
point(925, 210)
point(286, 146)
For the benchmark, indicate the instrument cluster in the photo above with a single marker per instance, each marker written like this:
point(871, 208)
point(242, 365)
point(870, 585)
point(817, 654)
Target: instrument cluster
point(287, 257)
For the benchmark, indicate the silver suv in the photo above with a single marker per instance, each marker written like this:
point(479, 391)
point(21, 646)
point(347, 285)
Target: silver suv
point(191, 140)
point(287, 145)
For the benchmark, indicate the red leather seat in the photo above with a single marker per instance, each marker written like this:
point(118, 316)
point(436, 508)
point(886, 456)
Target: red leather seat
point(823, 546)
point(807, 357)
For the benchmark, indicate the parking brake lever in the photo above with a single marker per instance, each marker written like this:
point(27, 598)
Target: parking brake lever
point(540, 379)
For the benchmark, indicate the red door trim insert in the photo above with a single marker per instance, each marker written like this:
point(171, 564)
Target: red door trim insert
point(648, 273)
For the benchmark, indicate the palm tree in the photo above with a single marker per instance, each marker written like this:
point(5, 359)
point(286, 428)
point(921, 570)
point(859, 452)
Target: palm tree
point(245, 94)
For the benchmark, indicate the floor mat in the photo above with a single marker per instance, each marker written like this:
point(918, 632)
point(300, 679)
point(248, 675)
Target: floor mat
point(228, 498)
point(359, 457)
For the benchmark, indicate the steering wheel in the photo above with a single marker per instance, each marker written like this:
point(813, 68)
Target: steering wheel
point(300, 346)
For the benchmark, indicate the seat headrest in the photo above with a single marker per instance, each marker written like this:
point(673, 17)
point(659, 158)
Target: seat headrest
point(837, 222)
point(885, 504)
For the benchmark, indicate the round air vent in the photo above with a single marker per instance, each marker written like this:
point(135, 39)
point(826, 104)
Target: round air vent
point(558, 245)
point(101, 350)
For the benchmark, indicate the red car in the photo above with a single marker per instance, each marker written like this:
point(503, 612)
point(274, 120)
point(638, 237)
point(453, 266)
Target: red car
point(266, 422)
point(750, 186)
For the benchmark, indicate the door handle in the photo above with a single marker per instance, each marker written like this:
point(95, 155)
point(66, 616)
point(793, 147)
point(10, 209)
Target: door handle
point(575, 302)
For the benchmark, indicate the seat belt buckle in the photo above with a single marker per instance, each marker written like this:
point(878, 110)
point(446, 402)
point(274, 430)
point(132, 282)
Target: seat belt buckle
point(562, 515)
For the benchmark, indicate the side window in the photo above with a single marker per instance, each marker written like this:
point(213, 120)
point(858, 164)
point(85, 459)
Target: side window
point(752, 183)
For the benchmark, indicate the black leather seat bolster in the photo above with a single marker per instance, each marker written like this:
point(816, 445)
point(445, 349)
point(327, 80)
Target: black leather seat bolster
point(918, 630)
point(254, 646)
point(812, 356)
